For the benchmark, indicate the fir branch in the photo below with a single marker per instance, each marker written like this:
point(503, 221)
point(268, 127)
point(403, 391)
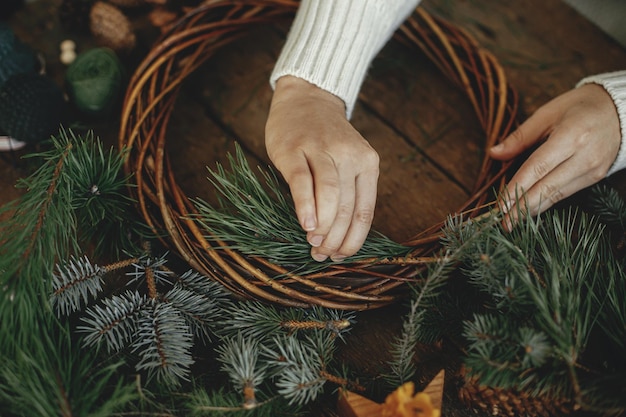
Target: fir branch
point(74, 283)
point(115, 322)
point(402, 366)
point(299, 366)
point(153, 267)
point(240, 360)
point(403, 348)
point(202, 285)
point(163, 342)
point(206, 308)
point(198, 310)
point(259, 219)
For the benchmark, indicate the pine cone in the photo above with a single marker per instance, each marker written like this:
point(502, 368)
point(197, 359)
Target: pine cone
point(111, 27)
point(74, 15)
point(31, 107)
point(500, 402)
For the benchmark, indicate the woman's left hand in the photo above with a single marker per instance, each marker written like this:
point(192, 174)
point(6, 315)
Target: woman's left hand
point(580, 130)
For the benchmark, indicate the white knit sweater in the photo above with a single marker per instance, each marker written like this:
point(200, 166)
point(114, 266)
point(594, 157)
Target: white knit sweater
point(331, 44)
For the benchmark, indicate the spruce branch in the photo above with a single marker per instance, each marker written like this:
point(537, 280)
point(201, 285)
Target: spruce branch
point(258, 218)
point(402, 366)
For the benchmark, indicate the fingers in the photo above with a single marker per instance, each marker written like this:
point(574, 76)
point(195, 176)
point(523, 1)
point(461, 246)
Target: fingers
point(534, 129)
point(353, 220)
point(540, 170)
point(300, 179)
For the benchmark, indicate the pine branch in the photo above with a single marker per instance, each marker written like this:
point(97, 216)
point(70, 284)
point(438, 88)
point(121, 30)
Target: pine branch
point(557, 262)
point(258, 320)
point(53, 376)
point(259, 219)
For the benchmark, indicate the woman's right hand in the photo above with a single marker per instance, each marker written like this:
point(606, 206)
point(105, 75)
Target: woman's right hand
point(332, 171)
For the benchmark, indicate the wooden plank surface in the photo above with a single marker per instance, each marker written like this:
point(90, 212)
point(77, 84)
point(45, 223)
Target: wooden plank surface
point(427, 136)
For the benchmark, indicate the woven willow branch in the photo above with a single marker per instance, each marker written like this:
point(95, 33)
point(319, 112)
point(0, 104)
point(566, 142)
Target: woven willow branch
point(148, 106)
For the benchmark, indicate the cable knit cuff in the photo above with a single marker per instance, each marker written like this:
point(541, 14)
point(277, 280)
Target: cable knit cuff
point(332, 43)
point(615, 84)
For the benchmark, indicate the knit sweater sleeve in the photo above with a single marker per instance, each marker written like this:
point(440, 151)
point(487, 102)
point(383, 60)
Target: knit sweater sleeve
point(615, 84)
point(331, 43)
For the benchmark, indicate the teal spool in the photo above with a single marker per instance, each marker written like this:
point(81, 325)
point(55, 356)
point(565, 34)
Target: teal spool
point(32, 107)
point(94, 81)
point(15, 56)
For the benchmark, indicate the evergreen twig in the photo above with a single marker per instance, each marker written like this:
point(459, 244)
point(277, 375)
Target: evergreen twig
point(258, 219)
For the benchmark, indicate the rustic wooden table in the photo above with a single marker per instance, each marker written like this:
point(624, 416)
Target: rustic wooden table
point(425, 131)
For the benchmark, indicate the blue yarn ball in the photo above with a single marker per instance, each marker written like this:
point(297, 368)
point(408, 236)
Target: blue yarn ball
point(15, 56)
point(32, 107)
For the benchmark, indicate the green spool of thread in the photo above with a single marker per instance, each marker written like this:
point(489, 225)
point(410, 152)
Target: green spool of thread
point(94, 81)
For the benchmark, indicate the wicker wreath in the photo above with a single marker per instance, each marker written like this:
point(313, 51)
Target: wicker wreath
point(149, 103)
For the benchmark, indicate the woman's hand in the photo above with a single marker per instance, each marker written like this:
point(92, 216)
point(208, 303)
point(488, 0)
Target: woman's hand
point(332, 171)
point(582, 138)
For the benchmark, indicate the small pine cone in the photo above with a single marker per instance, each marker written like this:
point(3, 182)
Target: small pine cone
point(111, 27)
point(162, 17)
point(74, 15)
point(510, 403)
